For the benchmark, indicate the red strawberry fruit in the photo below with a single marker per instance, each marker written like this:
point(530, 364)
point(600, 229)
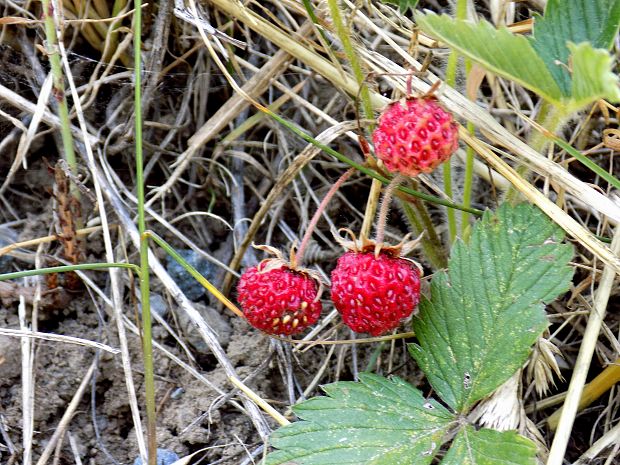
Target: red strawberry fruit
point(374, 292)
point(278, 299)
point(414, 136)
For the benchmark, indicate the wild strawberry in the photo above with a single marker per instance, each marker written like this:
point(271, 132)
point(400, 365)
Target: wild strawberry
point(414, 136)
point(278, 299)
point(374, 291)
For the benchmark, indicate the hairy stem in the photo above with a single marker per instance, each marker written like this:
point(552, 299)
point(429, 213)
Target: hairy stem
point(345, 39)
point(58, 90)
point(451, 69)
point(299, 256)
point(552, 119)
point(385, 207)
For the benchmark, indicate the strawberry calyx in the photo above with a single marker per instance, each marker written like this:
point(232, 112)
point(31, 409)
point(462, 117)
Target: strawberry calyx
point(366, 245)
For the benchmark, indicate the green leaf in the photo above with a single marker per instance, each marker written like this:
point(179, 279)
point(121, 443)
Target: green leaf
point(403, 5)
point(569, 76)
point(502, 52)
point(592, 75)
point(594, 21)
point(490, 447)
point(485, 314)
point(377, 421)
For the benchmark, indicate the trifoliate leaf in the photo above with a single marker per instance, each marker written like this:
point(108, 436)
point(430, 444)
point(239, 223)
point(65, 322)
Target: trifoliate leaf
point(487, 311)
point(568, 76)
point(490, 447)
point(594, 21)
point(502, 52)
point(377, 421)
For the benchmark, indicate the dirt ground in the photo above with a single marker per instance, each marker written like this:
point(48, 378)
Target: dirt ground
point(209, 207)
point(191, 416)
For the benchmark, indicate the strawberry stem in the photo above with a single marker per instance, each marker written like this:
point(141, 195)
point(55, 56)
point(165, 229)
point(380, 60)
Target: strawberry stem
point(298, 258)
point(371, 208)
point(385, 208)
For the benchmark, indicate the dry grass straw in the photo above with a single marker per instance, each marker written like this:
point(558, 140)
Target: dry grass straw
point(294, 60)
point(590, 338)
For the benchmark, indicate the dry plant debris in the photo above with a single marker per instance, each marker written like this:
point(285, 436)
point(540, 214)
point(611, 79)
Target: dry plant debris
point(221, 174)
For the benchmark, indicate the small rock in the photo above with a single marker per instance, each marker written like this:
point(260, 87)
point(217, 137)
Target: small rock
point(10, 359)
point(164, 457)
point(159, 305)
point(190, 287)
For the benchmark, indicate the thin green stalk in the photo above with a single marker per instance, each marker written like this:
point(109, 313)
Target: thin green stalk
point(313, 17)
point(58, 88)
point(447, 187)
point(372, 362)
point(149, 380)
point(552, 119)
point(68, 268)
point(345, 39)
point(194, 273)
point(469, 181)
point(610, 178)
point(420, 222)
point(453, 60)
point(469, 167)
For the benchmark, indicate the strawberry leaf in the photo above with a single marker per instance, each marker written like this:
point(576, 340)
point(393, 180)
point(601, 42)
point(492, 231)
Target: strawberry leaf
point(569, 76)
point(500, 51)
point(594, 21)
point(377, 421)
point(587, 62)
point(490, 447)
point(487, 311)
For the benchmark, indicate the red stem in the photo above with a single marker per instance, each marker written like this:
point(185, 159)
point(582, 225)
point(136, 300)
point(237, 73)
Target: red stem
point(317, 215)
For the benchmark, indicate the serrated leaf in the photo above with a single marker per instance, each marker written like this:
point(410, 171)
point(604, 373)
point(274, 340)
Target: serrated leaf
point(486, 313)
point(502, 52)
point(377, 421)
point(569, 76)
point(592, 75)
point(490, 447)
point(594, 21)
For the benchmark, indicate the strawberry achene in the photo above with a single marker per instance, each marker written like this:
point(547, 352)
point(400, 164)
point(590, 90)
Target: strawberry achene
point(414, 136)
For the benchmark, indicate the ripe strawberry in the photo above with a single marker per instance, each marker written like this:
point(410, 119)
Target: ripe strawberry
point(277, 299)
point(374, 292)
point(414, 136)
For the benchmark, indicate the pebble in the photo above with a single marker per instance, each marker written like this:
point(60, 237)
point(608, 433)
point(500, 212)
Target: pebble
point(164, 457)
point(192, 289)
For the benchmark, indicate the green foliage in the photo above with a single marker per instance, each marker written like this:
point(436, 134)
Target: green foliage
point(490, 447)
point(403, 5)
point(498, 50)
point(549, 63)
point(576, 21)
point(487, 311)
point(474, 333)
point(376, 421)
